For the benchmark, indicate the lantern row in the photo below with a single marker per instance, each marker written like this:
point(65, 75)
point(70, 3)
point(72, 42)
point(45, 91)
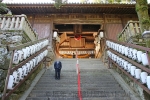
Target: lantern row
point(22, 72)
point(22, 54)
point(131, 53)
point(133, 70)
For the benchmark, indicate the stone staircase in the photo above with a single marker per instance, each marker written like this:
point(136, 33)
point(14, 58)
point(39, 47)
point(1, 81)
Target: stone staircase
point(97, 83)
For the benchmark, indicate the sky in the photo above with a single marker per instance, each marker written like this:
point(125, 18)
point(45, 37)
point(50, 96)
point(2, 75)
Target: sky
point(35, 1)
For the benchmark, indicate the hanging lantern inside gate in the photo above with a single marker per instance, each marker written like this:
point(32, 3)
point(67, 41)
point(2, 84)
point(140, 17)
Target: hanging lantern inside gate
point(77, 36)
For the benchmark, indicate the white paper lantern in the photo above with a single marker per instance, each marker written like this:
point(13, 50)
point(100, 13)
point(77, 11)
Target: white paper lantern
point(21, 54)
point(137, 73)
point(122, 63)
point(28, 51)
point(24, 69)
point(134, 57)
point(20, 74)
point(126, 51)
point(143, 77)
point(116, 46)
point(10, 82)
point(31, 50)
point(148, 82)
point(118, 59)
point(31, 64)
point(33, 60)
point(16, 57)
point(15, 75)
point(130, 52)
point(132, 72)
point(111, 44)
point(108, 43)
point(24, 53)
point(123, 50)
point(129, 67)
point(144, 59)
point(35, 48)
point(125, 65)
point(27, 68)
point(139, 58)
point(115, 58)
point(38, 46)
point(120, 48)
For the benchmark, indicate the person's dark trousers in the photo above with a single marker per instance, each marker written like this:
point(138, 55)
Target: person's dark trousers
point(57, 73)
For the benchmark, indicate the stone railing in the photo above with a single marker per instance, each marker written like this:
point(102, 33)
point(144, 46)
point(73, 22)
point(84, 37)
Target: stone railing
point(132, 29)
point(17, 24)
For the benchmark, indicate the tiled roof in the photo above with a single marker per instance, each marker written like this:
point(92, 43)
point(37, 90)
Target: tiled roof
point(52, 2)
point(48, 8)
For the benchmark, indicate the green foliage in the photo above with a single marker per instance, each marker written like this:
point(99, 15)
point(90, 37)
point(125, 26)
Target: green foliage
point(146, 21)
point(137, 8)
point(118, 0)
point(2, 7)
point(143, 8)
point(142, 2)
point(59, 3)
point(110, 1)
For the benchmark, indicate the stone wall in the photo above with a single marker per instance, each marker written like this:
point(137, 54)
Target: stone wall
point(6, 39)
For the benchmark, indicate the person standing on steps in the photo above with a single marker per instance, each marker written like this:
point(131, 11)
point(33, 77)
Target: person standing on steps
point(57, 67)
point(73, 56)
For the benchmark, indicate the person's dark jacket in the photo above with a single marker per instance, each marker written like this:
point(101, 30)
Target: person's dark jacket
point(57, 65)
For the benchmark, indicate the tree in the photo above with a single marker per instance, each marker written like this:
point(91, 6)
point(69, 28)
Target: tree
point(144, 20)
point(142, 12)
point(4, 9)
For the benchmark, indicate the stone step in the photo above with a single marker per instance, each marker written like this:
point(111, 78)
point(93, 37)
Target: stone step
point(56, 88)
point(101, 83)
point(75, 80)
point(52, 98)
point(107, 98)
point(67, 98)
point(73, 93)
point(82, 85)
point(57, 85)
point(75, 88)
point(61, 82)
